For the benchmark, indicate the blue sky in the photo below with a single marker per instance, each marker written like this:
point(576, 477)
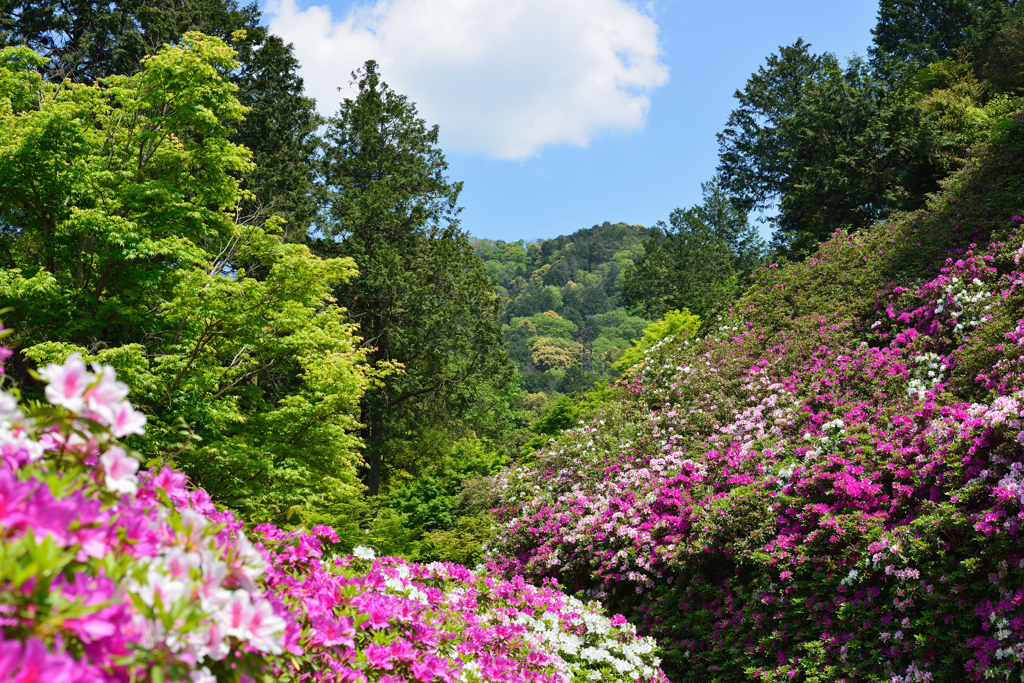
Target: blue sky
point(560, 114)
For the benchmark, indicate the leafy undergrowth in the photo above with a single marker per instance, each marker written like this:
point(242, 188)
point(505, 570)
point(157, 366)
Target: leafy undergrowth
point(828, 487)
point(111, 574)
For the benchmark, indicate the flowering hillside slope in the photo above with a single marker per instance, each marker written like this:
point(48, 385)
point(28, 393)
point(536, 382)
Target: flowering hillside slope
point(111, 574)
point(830, 486)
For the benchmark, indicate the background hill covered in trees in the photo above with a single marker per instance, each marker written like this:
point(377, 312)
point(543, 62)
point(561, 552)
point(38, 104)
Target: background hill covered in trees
point(564, 318)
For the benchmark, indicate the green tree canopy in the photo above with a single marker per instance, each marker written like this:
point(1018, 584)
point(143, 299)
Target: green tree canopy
point(816, 147)
point(84, 41)
point(699, 262)
point(120, 241)
point(422, 299)
point(918, 32)
point(674, 323)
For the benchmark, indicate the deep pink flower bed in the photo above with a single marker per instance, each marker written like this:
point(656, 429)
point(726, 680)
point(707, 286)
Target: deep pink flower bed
point(830, 486)
point(109, 574)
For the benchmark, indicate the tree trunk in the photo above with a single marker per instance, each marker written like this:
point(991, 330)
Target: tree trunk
point(374, 459)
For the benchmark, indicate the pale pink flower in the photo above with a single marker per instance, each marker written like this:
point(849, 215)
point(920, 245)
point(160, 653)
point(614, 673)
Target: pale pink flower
point(247, 564)
point(119, 470)
point(105, 393)
point(9, 406)
point(193, 524)
point(212, 594)
point(179, 563)
point(255, 624)
point(236, 614)
point(159, 585)
point(202, 676)
point(265, 628)
point(67, 383)
point(208, 643)
point(123, 420)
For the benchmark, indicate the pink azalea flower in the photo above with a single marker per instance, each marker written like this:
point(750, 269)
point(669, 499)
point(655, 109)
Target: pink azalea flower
point(10, 655)
point(67, 383)
point(330, 631)
point(378, 656)
point(402, 649)
point(38, 666)
point(174, 483)
point(123, 419)
point(422, 671)
point(119, 470)
point(201, 502)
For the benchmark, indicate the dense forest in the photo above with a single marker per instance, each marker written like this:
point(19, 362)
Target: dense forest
point(270, 413)
point(563, 317)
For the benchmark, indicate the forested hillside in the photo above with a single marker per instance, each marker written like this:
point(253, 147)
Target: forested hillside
point(564, 317)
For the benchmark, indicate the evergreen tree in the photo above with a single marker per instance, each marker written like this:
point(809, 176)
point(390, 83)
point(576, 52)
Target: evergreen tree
point(920, 32)
point(825, 147)
point(700, 262)
point(755, 160)
point(422, 299)
point(862, 151)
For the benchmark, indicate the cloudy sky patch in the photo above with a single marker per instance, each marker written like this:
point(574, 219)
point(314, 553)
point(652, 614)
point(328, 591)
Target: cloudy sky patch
point(504, 79)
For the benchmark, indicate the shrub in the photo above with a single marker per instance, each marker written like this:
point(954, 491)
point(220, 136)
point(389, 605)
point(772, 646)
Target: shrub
point(111, 574)
point(828, 486)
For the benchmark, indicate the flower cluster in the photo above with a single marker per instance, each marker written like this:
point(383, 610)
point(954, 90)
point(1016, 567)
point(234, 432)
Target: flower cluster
point(111, 574)
point(827, 486)
point(138, 573)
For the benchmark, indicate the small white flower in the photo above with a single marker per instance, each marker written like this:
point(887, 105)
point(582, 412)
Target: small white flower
point(364, 553)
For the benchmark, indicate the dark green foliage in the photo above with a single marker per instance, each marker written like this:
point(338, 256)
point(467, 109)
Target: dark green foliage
point(576, 380)
point(422, 299)
point(546, 381)
point(862, 152)
point(429, 501)
point(280, 130)
point(85, 40)
point(827, 147)
point(574, 282)
point(1001, 61)
point(562, 413)
point(438, 514)
point(754, 159)
point(919, 32)
point(701, 262)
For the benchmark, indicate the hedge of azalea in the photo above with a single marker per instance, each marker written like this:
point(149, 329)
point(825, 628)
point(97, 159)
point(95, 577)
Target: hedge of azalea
point(112, 574)
point(830, 485)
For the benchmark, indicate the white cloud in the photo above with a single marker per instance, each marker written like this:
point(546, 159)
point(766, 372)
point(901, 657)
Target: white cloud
point(502, 77)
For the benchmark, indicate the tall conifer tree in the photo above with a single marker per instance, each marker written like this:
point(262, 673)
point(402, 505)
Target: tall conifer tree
point(422, 299)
